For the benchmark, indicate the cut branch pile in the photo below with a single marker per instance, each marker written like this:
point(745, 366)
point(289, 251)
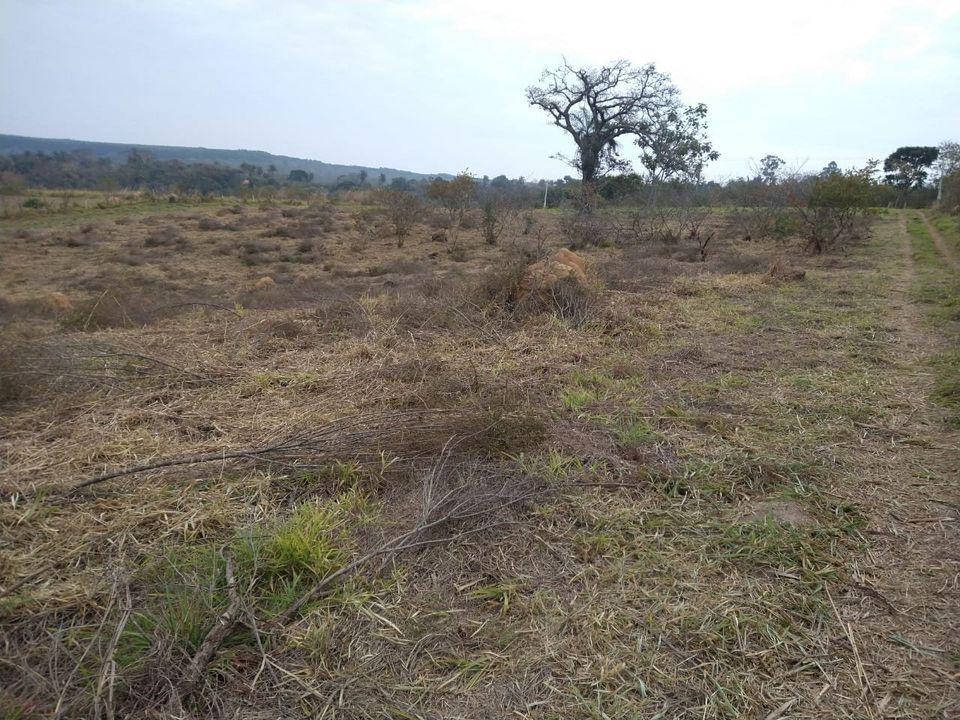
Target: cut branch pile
point(402, 436)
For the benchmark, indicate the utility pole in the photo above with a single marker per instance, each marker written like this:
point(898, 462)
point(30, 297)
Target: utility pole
point(546, 186)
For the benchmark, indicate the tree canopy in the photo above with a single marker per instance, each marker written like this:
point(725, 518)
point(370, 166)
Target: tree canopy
point(598, 107)
point(906, 167)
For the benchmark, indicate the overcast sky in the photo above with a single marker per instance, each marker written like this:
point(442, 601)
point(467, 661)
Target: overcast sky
point(438, 85)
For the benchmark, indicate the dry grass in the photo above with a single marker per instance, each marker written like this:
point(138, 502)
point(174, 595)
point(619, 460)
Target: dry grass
point(687, 493)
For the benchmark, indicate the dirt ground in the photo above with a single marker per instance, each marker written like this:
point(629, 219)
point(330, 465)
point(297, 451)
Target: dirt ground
point(693, 491)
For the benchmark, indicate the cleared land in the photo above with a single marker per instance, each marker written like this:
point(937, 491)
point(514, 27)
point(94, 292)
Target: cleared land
point(697, 492)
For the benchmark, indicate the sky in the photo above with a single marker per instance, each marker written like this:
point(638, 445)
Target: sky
point(438, 85)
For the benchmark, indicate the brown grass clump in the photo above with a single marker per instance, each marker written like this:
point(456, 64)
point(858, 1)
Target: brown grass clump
point(780, 272)
point(166, 237)
point(208, 223)
point(109, 309)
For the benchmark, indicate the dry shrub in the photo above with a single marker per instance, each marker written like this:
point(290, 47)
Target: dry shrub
point(307, 229)
point(340, 317)
point(781, 272)
point(457, 251)
point(129, 259)
point(255, 247)
point(79, 240)
point(438, 220)
point(16, 382)
point(131, 299)
point(166, 237)
point(209, 223)
point(403, 210)
point(413, 310)
point(121, 307)
point(499, 287)
point(286, 293)
point(588, 230)
point(280, 328)
point(470, 220)
point(396, 267)
point(31, 368)
point(259, 220)
point(736, 262)
point(30, 308)
point(568, 299)
point(283, 231)
point(500, 290)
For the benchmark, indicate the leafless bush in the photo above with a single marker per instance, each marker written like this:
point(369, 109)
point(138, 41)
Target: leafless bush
point(470, 221)
point(403, 211)
point(457, 251)
point(651, 225)
point(33, 367)
point(438, 220)
point(591, 229)
point(499, 287)
point(529, 223)
point(497, 213)
point(568, 299)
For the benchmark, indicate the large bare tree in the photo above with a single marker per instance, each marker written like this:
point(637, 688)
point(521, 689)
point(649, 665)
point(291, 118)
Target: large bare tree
point(598, 107)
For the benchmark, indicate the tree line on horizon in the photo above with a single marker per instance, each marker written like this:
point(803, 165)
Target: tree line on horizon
point(603, 111)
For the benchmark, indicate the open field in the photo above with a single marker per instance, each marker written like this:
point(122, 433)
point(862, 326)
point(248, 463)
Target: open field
point(696, 490)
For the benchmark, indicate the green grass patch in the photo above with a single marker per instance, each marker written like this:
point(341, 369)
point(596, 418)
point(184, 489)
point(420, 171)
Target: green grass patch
point(949, 227)
point(946, 389)
point(185, 589)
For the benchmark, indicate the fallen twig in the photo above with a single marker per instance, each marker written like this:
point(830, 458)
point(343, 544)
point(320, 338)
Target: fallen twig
point(354, 436)
point(108, 669)
point(208, 648)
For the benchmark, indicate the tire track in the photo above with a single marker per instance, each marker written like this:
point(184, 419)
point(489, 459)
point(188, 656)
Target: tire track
point(942, 248)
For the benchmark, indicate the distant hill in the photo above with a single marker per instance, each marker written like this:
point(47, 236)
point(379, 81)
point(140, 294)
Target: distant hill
point(117, 152)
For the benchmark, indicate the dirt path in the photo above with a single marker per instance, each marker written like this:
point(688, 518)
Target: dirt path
point(912, 566)
point(945, 252)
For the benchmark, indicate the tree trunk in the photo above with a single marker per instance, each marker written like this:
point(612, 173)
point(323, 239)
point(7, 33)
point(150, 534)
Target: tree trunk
point(589, 162)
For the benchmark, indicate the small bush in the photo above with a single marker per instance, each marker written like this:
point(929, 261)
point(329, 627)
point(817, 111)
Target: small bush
point(499, 287)
point(164, 237)
point(568, 299)
point(403, 211)
point(470, 221)
point(495, 215)
point(458, 251)
point(837, 209)
point(252, 247)
point(209, 223)
point(587, 230)
point(283, 231)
